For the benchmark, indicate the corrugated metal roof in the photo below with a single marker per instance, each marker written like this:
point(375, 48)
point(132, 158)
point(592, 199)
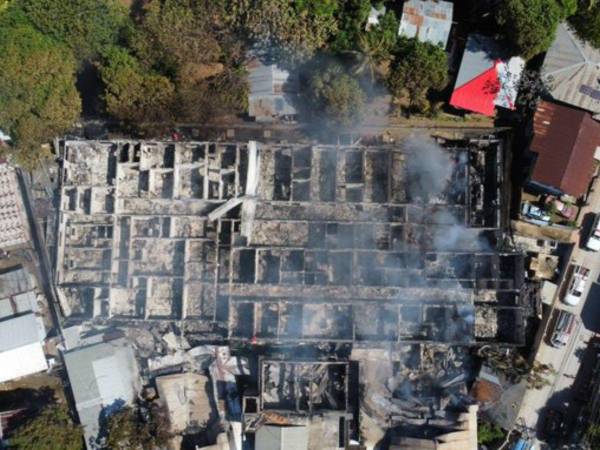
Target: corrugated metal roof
point(22, 361)
point(276, 437)
point(427, 20)
point(480, 55)
point(572, 70)
point(101, 375)
point(20, 331)
point(271, 91)
point(565, 140)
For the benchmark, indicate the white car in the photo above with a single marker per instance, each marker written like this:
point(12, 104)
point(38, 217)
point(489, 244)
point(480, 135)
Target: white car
point(576, 285)
point(593, 240)
point(565, 322)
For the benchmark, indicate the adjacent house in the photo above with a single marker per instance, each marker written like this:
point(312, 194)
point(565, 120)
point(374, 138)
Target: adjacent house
point(104, 377)
point(487, 77)
point(572, 71)
point(272, 90)
point(21, 346)
point(564, 143)
point(426, 20)
point(12, 216)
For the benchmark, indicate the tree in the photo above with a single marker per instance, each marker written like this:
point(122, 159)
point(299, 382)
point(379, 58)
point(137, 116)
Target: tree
point(38, 98)
point(587, 21)
point(286, 30)
point(132, 94)
point(135, 428)
point(375, 47)
point(51, 429)
point(352, 18)
point(86, 26)
point(335, 96)
point(530, 25)
point(488, 433)
point(418, 68)
point(176, 33)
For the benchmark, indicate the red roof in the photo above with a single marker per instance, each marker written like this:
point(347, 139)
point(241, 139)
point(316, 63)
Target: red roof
point(565, 140)
point(478, 94)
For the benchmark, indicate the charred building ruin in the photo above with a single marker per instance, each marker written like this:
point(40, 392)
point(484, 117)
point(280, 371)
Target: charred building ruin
point(283, 243)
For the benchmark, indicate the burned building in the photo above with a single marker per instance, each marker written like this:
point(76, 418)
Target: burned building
point(286, 243)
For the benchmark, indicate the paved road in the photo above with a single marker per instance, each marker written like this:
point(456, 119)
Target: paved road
point(567, 360)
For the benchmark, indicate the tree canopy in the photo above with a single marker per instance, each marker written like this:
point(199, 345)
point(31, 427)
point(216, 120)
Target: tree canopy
point(335, 97)
point(418, 68)
point(134, 95)
point(38, 98)
point(530, 25)
point(587, 21)
point(51, 429)
point(86, 26)
point(286, 30)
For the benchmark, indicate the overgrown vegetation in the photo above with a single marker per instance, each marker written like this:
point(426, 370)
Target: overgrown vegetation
point(587, 21)
point(530, 25)
point(38, 98)
point(418, 69)
point(488, 433)
point(135, 428)
point(51, 429)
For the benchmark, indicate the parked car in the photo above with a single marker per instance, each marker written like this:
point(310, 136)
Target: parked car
point(534, 212)
point(564, 326)
point(576, 286)
point(593, 240)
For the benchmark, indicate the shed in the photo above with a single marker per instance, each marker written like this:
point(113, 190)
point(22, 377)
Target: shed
point(21, 351)
point(564, 142)
point(487, 77)
point(427, 20)
point(104, 377)
point(572, 70)
point(272, 90)
point(282, 437)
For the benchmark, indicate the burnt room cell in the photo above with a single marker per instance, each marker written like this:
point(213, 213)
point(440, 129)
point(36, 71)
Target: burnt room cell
point(269, 267)
point(316, 235)
point(247, 266)
point(301, 191)
point(327, 175)
point(244, 320)
point(354, 194)
point(283, 176)
point(302, 163)
point(354, 167)
point(341, 264)
point(293, 261)
point(269, 320)
point(228, 156)
point(380, 176)
point(169, 157)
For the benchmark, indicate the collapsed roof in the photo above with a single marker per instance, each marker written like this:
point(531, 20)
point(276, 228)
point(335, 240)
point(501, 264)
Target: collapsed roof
point(283, 243)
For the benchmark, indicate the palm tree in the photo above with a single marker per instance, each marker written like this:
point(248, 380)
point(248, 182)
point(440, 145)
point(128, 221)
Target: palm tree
point(370, 54)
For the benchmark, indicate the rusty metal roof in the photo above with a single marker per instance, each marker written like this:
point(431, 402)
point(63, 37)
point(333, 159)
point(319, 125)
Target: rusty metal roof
point(565, 140)
point(427, 20)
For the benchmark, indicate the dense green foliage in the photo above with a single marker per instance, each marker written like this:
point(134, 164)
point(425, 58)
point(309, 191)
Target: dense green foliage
point(587, 21)
point(488, 433)
point(530, 25)
point(128, 430)
point(335, 97)
point(133, 95)
point(52, 429)
point(87, 26)
point(38, 98)
point(284, 29)
point(418, 68)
